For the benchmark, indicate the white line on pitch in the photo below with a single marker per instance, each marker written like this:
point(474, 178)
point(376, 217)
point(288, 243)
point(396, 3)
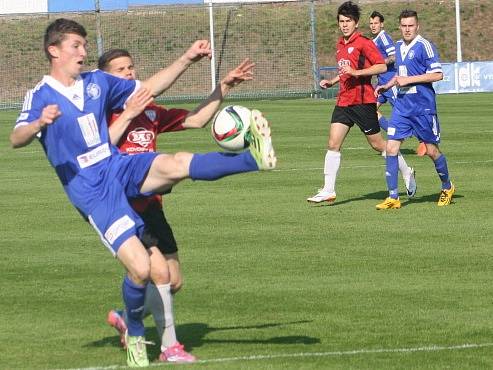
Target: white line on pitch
point(432, 348)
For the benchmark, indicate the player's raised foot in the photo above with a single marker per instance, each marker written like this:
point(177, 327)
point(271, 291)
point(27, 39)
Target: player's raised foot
point(446, 196)
point(176, 353)
point(421, 149)
point(410, 182)
point(115, 319)
point(389, 203)
point(261, 142)
point(136, 351)
point(322, 196)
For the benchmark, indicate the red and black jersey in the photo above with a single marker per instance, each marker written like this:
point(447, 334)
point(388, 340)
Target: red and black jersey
point(141, 136)
point(358, 52)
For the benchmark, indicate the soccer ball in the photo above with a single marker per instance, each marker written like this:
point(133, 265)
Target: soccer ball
point(231, 127)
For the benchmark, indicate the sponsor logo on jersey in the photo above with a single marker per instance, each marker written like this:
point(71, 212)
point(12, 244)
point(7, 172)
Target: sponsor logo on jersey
point(93, 90)
point(118, 228)
point(141, 136)
point(89, 128)
point(151, 114)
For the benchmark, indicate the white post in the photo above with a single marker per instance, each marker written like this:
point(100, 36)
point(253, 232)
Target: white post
point(213, 59)
point(457, 30)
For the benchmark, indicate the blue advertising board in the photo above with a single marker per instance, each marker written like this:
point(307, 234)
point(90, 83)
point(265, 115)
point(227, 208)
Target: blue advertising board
point(465, 77)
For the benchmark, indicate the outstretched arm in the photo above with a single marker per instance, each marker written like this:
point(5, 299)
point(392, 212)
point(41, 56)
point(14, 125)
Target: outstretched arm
point(201, 115)
point(163, 79)
point(134, 106)
point(24, 135)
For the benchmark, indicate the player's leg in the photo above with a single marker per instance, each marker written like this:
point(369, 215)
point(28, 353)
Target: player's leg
point(382, 120)
point(339, 128)
point(166, 278)
point(366, 117)
point(134, 257)
point(399, 128)
point(427, 128)
point(118, 226)
point(167, 170)
point(332, 162)
point(391, 175)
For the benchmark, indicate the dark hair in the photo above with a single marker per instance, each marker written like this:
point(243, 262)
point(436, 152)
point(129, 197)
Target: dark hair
point(350, 10)
point(408, 14)
point(105, 59)
point(56, 32)
point(377, 14)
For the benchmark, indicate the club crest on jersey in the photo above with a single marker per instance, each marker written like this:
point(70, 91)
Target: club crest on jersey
point(350, 50)
point(93, 90)
point(151, 114)
point(141, 136)
point(411, 54)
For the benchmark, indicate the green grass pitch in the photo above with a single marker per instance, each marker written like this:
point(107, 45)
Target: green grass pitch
point(271, 282)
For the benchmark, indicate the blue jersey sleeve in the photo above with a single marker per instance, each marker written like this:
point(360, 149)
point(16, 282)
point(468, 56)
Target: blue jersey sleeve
point(119, 90)
point(432, 59)
point(31, 109)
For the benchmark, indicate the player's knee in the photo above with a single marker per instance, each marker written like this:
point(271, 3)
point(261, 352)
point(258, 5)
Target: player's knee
point(433, 152)
point(176, 283)
point(333, 145)
point(161, 276)
point(182, 161)
point(140, 273)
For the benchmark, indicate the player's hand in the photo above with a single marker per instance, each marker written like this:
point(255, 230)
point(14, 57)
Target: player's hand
point(138, 102)
point(244, 72)
point(325, 84)
point(402, 81)
point(380, 89)
point(49, 114)
point(198, 50)
point(347, 70)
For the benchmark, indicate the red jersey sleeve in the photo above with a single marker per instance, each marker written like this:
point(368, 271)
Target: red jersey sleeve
point(169, 120)
point(371, 53)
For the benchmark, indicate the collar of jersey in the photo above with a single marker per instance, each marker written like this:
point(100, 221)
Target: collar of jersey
point(74, 93)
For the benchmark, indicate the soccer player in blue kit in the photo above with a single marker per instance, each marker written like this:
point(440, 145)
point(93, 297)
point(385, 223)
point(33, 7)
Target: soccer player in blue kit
point(414, 112)
point(386, 47)
point(67, 112)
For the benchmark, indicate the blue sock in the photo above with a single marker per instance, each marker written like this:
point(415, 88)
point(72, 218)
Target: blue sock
point(133, 297)
point(442, 170)
point(214, 165)
point(384, 123)
point(391, 169)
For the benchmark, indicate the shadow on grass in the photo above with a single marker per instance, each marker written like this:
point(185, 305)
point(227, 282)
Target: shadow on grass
point(381, 195)
point(193, 335)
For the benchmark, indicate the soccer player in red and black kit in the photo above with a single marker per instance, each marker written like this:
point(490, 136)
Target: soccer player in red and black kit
point(134, 131)
point(358, 60)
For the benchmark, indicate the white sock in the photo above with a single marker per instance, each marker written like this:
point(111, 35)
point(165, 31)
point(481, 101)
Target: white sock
point(331, 166)
point(403, 167)
point(159, 301)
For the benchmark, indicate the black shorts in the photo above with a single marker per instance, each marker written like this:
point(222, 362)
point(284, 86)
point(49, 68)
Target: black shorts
point(364, 115)
point(157, 232)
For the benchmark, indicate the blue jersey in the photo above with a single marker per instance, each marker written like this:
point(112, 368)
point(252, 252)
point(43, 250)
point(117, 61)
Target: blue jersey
point(77, 144)
point(417, 58)
point(386, 47)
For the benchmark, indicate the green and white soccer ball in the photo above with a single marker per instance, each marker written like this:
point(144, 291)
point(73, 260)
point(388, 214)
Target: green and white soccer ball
point(231, 127)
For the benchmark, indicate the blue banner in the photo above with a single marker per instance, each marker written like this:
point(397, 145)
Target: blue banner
point(57, 6)
point(465, 77)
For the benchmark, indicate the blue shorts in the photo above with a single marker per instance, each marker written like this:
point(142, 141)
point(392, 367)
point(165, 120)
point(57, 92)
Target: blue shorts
point(106, 203)
point(425, 128)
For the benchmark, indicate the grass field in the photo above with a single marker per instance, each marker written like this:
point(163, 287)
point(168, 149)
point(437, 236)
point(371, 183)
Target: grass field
point(270, 281)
